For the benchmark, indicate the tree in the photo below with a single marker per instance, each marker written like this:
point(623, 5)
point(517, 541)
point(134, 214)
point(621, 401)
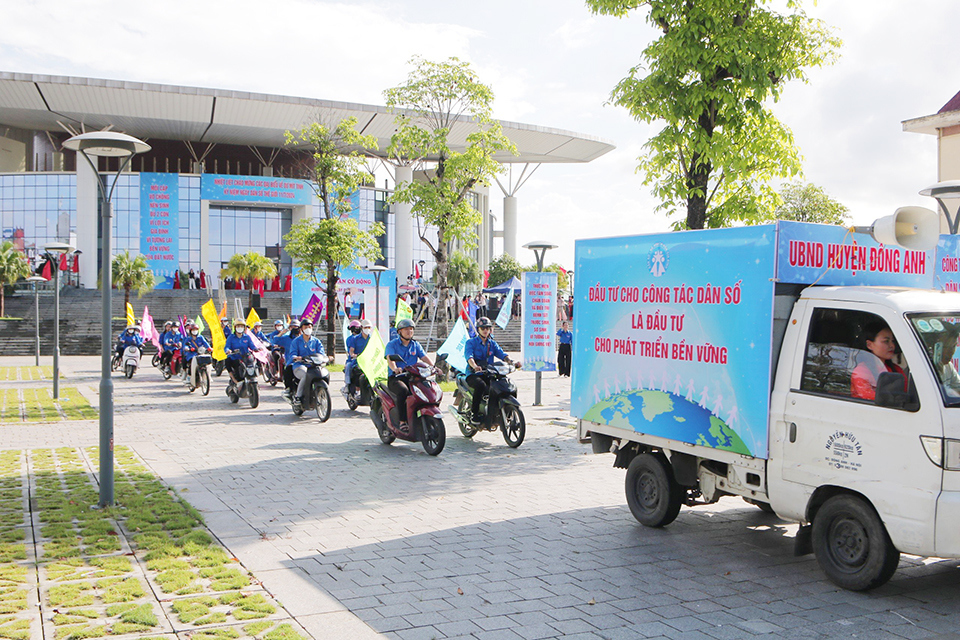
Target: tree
point(809, 203)
point(435, 97)
point(462, 270)
point(336, 170)
point(502, 268)
point(708, 79)
point(131, 272)
point(13, 267)
point(562, 281)
point(248, 267)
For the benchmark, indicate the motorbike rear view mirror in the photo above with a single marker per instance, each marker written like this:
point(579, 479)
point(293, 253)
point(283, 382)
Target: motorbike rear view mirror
point(393, 357)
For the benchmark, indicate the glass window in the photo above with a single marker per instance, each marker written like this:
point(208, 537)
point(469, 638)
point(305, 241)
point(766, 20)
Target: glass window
point(938, 334)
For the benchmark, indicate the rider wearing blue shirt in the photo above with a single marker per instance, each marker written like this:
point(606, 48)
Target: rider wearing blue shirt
point(191, 346)
point(257, 331)
point(238, 346)
point(284, 341)
point(356, 343)
point(479, 352)
point(169, 342)
point(276, 333)
point(565, 340)
point(130, 337)
point(410, 353)
point(301, 349)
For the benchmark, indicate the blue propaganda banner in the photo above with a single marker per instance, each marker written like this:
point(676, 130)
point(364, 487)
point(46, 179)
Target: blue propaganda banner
point(160, 225)
point(361, 284)
point(538, 344)
point(227, 188)
point(947, 271)
point(673, 335)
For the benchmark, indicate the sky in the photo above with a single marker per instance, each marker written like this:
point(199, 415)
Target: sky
point(550, 63)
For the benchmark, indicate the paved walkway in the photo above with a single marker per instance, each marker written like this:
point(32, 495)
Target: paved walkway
point(362, 540)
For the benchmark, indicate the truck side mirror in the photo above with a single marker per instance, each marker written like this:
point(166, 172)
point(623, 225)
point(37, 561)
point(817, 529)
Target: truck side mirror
point(890, 392)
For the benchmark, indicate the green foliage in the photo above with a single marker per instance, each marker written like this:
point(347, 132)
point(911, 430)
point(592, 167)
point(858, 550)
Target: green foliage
point(809, 203)
point(502, 268)
point(131, 273)
point(13, 267)
point(249, 266)
point(708, 80)
point(314, 245)
point(562, 281)
point(435, 97)
point(462, 270)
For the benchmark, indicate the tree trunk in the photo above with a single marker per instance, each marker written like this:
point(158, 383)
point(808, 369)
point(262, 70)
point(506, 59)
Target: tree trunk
point(697, 203)
point(331, 308)
point(442, 259)
point(126, 299)
point(3, 302)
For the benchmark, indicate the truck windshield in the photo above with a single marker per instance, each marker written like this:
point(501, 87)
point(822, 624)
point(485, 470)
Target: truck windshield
point(938, 334)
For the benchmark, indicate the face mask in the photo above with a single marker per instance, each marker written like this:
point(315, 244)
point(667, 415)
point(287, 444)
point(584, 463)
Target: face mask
point(194, 333)
point(308, 331)
point(239, 331)
point(365, 332)
point(294, 332)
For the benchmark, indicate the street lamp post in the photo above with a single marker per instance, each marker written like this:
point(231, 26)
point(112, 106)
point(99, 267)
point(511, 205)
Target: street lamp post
point(377, 270)
point(539, 249)
point(36, 280)
point(124, 147)
point(54, 251)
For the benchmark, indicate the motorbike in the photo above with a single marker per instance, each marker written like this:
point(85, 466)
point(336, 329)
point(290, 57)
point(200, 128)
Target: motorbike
point(248, 387)
point(271, 372)
point(204, 359)
point(174, 366)
point(218, 366)
point(316, 394)
point(362, 393)
point(424, 419)
point(155, 360)
point(503, 414)
point(131, 360)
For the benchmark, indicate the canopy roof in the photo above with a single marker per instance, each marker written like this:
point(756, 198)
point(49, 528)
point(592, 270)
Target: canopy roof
point(504, 287)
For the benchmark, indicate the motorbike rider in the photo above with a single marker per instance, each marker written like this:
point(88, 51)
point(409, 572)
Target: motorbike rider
point(275, 350)
point(169, 342)
point(191, 347)
point(356, 343)
point(479, 351)
point(284, 341)
point(301, 349)
point(410, 353)
point(257, 330)
point(130, 337)
point(238, 346)
point(278, 330)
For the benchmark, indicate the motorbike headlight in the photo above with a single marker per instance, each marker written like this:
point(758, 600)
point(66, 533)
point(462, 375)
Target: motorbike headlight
point(420, 394)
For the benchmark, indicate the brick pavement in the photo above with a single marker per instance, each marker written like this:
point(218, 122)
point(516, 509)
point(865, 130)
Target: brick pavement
point(362, 540)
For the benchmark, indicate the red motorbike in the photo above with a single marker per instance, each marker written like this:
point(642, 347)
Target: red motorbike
point(174, 367)
point(424, 419)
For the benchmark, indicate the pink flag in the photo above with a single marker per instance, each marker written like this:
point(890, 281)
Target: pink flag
point(261, 353)
point(150, 329)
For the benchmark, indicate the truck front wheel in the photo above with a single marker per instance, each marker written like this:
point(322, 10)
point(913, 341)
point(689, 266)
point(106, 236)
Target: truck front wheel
point(852, 545)
point(653, 494)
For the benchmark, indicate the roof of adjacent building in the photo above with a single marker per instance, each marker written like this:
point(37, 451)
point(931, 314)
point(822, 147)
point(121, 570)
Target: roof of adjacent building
point(947, 116)
point(47, 103)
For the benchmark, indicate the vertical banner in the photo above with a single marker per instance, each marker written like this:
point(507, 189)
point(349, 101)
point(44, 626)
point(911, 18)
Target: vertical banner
point(539, 321)
point(160, 225)
point(505, 310)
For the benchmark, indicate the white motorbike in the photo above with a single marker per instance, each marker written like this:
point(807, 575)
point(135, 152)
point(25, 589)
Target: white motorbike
point(130, 360)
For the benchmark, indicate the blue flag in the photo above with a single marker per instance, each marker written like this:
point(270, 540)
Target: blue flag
point(454, 345)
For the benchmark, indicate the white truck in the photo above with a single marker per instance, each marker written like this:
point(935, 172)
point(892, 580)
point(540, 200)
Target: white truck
point(750, 362)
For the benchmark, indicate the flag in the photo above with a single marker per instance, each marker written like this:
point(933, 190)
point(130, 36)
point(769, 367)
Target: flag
point(403, 311)
point(486, 278)
point(313, 309)
point(261, 354)
point(46, 271)
point(416, 271)
point(345, 329)
point(223, 312)
point(63, 262)
point(209, 312)
point(199, 323)
point(131, 319)
point(472, 317)
point(149, 329)
point(371, 360)
point(454, 345)
point(76, 263)
point(252, 317)
point(504, 316)
point(183, 328)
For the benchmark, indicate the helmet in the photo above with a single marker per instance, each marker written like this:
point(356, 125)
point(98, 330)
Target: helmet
point(239, 322)
point(167, 324)
point(354, 327)
point(257, 324)
point(278, 323)
point(484, 322)
point(294, 324)
point(406, 322)
point(365, 324)
point(306, 322)
point(136, 327)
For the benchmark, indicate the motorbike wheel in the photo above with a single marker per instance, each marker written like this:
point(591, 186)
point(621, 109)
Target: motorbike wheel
point(380, 422)
point(352, 402)
point(128, 371)
point(155, 360)
point(115, 363)
point(514, 426)
point(322, 401)
point(264, 374)
point(463, 411)
point(432, 434)
point(253, 394)
point(298, 410)
point(165, 372)
point(218, 367)
point(204, 377)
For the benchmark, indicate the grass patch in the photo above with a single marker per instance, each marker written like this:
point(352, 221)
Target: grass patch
point(81, 631)
point(71, 595)
point(120, 589)
point(190, 609)
point(14, 628)
point(225, 633)
point(38, 405)
point(284, 631)
point(256, 628)
point(252, 606)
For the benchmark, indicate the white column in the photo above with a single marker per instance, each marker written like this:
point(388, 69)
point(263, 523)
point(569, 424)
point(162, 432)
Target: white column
point(403, 230)
point(87, 223)
point(510, 225)
point(205, 239)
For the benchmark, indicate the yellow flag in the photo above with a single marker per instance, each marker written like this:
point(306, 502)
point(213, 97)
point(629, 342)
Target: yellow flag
point(403, 310)
point(209, 311)
point(252, 317)
point(131, 319)
point(371, 360)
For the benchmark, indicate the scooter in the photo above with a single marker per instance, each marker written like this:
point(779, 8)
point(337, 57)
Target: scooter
point(424, 419)
point(174, 366)
point(269, 372)
point(203, 359)
point(362, 394)
point(131, 360)
point(504, 412)
point(248, 387)
point(316, 389)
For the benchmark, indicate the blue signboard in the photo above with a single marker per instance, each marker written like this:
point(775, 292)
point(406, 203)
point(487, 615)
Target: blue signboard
point(538, 348)
point(361, 285)
point(673, 335)
point(831, 255)
point(947, 272)
point(160, 226)
point(262, 190)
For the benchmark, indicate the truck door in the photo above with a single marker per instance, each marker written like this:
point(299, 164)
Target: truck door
point(834, 435)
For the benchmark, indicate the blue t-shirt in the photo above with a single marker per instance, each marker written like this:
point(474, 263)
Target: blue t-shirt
point(127, 340)
point(565, 337)
point(410, 354)
point(304, 349)
point(482, 353)
point(192, 344)
point(242, 343)
point(260, 336)
point(358, 343)
point(170, 340)
point(273, 335)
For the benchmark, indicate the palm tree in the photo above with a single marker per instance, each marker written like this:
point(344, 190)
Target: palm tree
point(13, 267)
point(131, 272)
point(249, 266)
point(462, 270)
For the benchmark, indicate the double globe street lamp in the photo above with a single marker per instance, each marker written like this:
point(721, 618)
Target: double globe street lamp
point(109, 144)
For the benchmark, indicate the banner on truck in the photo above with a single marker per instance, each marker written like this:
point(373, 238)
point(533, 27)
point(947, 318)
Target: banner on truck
point(673, 335)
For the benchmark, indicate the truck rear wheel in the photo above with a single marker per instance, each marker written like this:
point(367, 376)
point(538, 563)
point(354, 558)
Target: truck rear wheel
point(851, 544)
point(653, 494)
